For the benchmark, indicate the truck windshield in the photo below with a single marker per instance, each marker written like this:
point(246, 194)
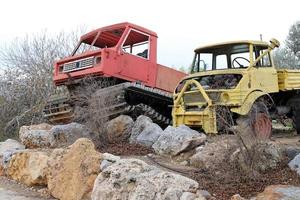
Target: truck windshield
point(83, 47)
point(221, 57)
point(98, 39)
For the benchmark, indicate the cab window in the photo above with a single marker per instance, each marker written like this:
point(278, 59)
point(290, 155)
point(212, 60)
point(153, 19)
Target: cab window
point(224, 56)
point(240, 60)
point(202, 62)
point(265, 61)
point(137, 43)
point(221, 61)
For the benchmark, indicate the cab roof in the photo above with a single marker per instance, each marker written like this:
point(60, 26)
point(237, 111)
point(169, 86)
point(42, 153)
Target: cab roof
point(223, 44)
point(119, 26)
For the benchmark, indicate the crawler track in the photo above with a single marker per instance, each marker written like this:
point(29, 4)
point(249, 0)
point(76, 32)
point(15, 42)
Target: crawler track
point(134, 99)
point(105, 103)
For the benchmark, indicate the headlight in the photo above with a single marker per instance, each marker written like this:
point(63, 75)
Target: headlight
point(60, 68)
point(97, 60)
point(225, 97)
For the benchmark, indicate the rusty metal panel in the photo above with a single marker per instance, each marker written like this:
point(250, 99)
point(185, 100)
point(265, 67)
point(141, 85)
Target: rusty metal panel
point(167, 78)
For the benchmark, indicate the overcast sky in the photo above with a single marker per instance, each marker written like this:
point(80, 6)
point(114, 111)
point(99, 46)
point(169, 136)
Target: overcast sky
point(181, 25)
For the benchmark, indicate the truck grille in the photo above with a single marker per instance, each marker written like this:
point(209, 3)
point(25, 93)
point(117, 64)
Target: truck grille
point(193, 97)
point(78, 64)
point(198, 97)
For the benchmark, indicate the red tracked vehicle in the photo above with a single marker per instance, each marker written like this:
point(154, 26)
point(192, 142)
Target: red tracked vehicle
point(122, 60)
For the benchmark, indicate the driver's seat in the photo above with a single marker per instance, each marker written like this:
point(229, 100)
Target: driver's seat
point(143, 54)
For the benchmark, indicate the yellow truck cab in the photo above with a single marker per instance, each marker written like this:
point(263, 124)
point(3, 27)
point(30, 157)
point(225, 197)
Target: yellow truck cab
point(233, 81)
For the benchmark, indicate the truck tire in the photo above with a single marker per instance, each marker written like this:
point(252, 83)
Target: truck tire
point(294, 103)
point(258, 119)
point(296, 116)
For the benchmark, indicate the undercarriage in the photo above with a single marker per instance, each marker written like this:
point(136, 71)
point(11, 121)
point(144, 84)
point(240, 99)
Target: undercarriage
point(106, 98)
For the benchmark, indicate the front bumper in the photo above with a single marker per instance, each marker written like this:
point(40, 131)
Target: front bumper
point(204, 117)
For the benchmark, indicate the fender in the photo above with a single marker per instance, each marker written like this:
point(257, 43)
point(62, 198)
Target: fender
point(250, 99)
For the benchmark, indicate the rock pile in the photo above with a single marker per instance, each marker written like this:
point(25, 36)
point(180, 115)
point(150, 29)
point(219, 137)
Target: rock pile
point(171, 141)
point(63, 158)
point(48, 136)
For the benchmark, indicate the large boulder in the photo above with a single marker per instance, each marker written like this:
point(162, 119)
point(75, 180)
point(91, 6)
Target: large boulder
point(107, 160)
point(295, 164)
point(10, 145)
point(67, 134)
point(215, 152)
point(7, 149)
point(262, 156)
point(291, 151)
point(29, 167)
point(175, 140)
point(48, 136)
point(144, 131)
point(134, 179)
point(280, 192)
point(228, 149)
point(269, 156)
point(72, 171)
point(36, 136)
point(119, 128)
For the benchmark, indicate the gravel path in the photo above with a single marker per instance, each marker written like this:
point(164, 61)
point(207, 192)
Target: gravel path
point(11, 190)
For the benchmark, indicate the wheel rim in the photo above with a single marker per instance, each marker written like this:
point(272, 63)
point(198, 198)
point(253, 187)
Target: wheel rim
point(262, 126)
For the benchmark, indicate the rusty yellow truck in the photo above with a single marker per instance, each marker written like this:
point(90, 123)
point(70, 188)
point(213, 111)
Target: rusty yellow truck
point(236, 82)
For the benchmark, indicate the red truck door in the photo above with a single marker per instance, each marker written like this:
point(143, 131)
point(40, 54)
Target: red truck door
point(136, 56)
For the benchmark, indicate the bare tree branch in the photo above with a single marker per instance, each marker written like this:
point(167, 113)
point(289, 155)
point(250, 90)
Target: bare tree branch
point(26, 80)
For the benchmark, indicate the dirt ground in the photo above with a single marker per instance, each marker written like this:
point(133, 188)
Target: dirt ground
point(223, 183)
point(125, 149)
point(227, 183)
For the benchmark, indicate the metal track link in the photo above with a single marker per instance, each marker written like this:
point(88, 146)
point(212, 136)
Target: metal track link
point(58, 109)
point(142, 109)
